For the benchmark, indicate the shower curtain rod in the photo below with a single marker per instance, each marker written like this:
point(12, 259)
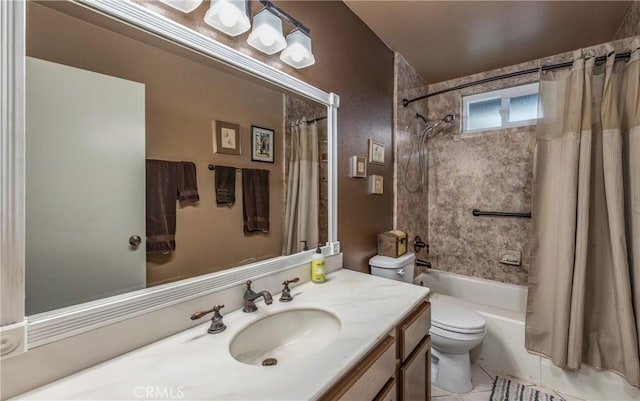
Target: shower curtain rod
point(406, 102)
point(315, 120)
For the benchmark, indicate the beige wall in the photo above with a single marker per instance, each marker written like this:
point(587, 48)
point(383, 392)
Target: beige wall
point(354, 63)
point(183, 97)
point(491, 170)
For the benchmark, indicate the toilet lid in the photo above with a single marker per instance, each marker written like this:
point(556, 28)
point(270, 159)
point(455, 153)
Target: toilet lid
point(448, 316)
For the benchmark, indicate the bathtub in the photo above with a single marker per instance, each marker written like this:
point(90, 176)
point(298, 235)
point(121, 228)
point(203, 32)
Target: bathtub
point(502, 351)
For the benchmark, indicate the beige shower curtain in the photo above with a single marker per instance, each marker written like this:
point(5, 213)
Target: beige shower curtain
point(301, 209)
point(584, 282)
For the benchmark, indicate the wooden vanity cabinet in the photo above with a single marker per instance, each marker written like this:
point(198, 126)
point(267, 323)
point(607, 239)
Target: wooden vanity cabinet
point(414, 374)
point(414, 355)
point(397, 369)
point(388, 392)
point(368, 377)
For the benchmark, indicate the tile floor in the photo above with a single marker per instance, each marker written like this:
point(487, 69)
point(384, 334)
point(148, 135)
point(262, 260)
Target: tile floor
point(482, 385)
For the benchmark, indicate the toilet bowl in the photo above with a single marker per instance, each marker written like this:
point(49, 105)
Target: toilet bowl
point(455, 330)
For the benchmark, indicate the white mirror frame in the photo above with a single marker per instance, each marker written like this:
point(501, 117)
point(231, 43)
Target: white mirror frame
point(33, 331)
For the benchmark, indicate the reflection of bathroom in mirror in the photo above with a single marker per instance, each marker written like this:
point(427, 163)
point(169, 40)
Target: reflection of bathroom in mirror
point(86, 181)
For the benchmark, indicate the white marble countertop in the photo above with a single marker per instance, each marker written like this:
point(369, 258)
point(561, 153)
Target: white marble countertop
point(195, 365)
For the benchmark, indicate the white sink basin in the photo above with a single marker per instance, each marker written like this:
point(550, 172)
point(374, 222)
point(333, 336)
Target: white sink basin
point(285, 336)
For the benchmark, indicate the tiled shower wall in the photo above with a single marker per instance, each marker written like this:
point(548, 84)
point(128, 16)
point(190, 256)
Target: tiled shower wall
point(490, 170)
point(631, 24)
point(408, 197)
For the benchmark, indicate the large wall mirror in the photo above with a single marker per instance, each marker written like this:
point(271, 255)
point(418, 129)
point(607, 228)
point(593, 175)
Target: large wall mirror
point(149, 164)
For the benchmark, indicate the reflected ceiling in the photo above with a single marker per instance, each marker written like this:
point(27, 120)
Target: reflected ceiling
point(450, 39)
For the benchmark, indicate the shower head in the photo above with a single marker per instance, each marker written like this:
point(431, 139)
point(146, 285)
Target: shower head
point(449, 118)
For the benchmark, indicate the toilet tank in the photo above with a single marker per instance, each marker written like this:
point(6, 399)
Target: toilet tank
point(400, 269)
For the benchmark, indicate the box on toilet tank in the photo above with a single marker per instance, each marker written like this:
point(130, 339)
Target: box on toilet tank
point(392, 243)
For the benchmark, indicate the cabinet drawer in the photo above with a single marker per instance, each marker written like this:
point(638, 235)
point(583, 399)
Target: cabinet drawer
point(388, 392)
point(413, 329)
point(369, 376)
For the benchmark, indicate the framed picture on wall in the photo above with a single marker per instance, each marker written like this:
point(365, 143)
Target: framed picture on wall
point(226, 138)
point(262, 144)
point(376, 152)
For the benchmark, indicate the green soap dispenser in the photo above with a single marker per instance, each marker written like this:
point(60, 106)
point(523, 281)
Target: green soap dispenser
point(317, 267)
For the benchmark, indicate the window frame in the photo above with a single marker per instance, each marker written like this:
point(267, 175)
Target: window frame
point(504, 95)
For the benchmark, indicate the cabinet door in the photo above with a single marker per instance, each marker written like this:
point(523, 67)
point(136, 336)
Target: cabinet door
point(414, 374)
point(413, 329)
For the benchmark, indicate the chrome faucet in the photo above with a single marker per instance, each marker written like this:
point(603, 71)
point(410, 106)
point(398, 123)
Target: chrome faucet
point(250, 296)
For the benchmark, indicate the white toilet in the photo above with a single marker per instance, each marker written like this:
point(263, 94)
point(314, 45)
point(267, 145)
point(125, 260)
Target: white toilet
point(400, 269)
point(455, 330)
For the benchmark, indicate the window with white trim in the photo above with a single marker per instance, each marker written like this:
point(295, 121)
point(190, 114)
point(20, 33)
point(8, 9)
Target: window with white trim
point(509, 107)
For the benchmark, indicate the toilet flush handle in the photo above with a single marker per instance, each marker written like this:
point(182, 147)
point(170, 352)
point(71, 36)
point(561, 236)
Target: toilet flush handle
point(401, 272)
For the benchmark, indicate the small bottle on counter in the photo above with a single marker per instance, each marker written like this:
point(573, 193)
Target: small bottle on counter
point(317, 267)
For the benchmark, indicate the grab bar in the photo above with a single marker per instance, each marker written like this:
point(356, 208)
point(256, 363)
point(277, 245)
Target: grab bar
point(477, 212)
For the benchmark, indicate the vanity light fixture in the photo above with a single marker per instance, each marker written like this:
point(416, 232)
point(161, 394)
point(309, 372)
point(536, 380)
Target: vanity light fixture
point(298, 52)
point(228, 16)
point(266, 34)
point(186, 6)
point(232, 18)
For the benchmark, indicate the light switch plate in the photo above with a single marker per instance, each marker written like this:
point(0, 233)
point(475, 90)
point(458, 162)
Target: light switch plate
point(376, 184)
point(510, 257)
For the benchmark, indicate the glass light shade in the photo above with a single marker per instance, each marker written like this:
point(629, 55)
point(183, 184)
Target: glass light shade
point(298, 52)
point(266, 34)
point(228, 16)
point(186, 6)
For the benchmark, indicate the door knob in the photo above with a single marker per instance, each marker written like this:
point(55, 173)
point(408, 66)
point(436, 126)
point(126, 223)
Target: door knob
point(135, 240)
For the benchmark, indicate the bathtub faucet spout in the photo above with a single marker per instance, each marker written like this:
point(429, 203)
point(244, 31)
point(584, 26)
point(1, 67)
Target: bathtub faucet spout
point(423, 263)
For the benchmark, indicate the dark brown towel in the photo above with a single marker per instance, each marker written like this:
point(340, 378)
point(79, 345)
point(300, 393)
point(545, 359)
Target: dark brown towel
point(225, 185)
point(187, 182)
point(161, 186)
point(255, 200)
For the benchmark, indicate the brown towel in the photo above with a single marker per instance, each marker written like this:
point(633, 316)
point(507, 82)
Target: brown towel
point(187, 182)
point(225, 185)
point(255, 200)
point(161, 184)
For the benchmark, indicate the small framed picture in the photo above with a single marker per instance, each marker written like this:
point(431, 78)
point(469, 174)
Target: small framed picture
point(376, 152)
point(358, 167)
point(262, 144)
point(226, 138)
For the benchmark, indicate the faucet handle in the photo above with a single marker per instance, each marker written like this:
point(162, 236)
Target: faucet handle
point(216, 309)
point(217, 325)
point(286, 292)
point(293, 280)
point(249, 292)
